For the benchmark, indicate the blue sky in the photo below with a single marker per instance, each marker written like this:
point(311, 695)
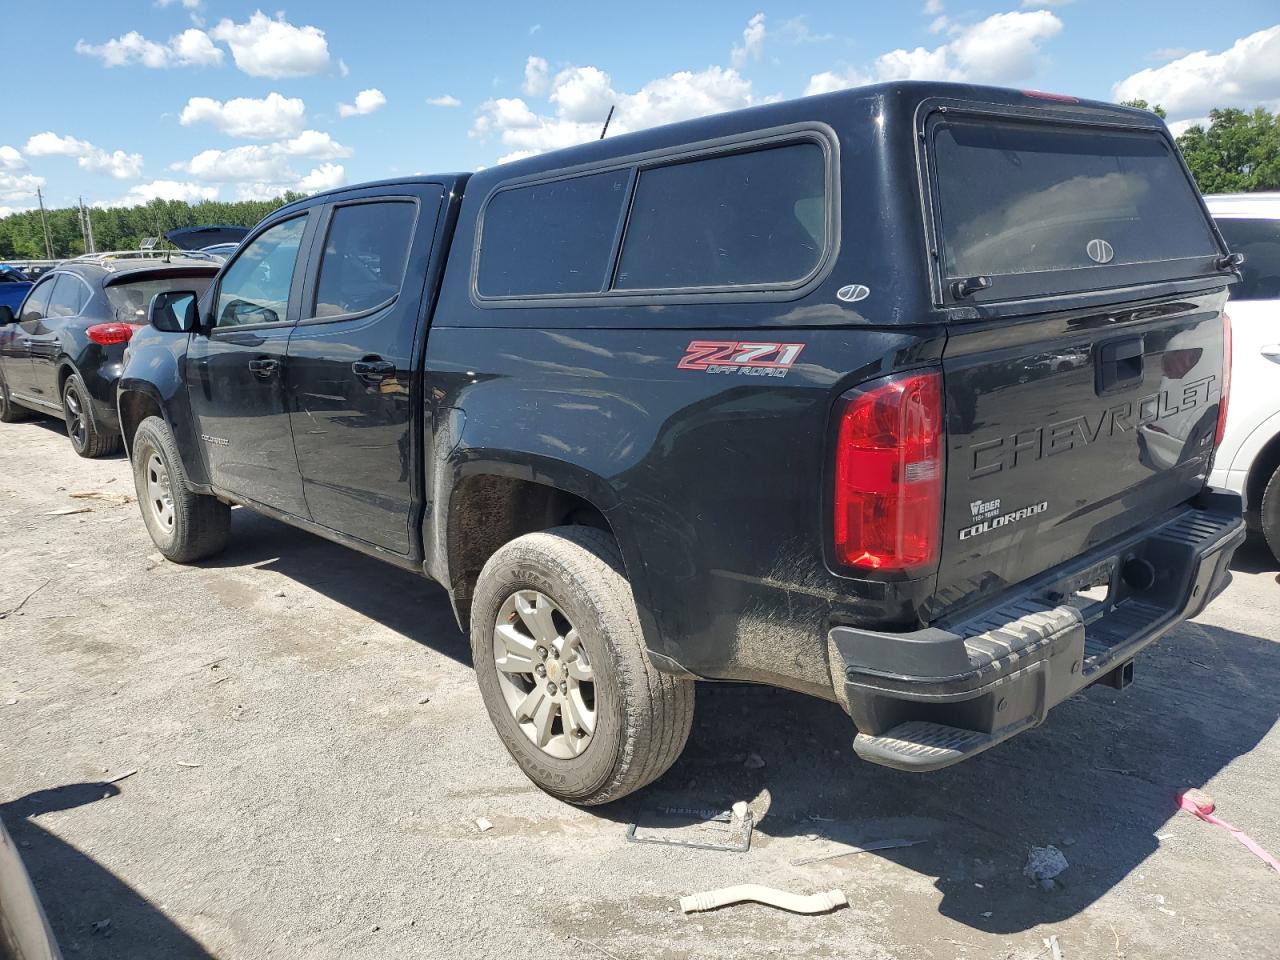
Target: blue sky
point(211, 98)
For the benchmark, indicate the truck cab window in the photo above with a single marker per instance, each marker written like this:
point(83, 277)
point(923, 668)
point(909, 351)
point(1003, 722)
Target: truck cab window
point(364, 257)
point(255, 288)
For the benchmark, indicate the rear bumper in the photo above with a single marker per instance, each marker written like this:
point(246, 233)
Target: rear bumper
point(928, 699)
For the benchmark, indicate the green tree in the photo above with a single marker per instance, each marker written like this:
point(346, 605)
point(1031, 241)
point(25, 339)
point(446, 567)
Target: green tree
point(1158, 110)
point(122, 228)
point(1238, 153)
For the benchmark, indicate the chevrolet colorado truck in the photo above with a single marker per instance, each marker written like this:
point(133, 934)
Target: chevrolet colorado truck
point(903, 396)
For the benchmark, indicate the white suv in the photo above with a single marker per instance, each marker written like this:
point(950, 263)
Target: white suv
point(1248, 460)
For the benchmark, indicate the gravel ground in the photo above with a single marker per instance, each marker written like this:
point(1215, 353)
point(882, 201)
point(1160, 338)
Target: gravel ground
point(312, 755)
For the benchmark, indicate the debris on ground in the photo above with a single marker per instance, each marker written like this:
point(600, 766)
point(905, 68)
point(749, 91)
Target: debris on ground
point(101, 926)
point(728, 831)
point(482, 824)
point(1200, 804)
point(822, 902)
point(754, 761)
point(122, 776)
point(188, 763)
point(851, 850)
point(1054, 948)
point(1043, 864)
point(68, 511)
point(5, 614)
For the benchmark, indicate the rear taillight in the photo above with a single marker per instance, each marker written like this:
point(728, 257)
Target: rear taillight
point(109, 333)
point(888, 474)
point(1226, 379)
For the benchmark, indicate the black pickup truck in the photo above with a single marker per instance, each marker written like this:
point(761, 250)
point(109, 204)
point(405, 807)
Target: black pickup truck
point(903, 396)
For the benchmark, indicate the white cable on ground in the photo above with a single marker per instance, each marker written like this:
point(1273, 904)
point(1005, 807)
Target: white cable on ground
point(814, 903)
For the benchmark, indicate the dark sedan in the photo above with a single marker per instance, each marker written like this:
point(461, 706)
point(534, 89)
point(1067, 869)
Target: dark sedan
point(64, 350)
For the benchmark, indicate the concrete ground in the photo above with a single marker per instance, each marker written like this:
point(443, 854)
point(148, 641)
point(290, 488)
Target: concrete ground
point(311, 755)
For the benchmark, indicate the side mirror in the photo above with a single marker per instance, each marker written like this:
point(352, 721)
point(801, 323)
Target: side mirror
point(173, 311)
point(6, 314)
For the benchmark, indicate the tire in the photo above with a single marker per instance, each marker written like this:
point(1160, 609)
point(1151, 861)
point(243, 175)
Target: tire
point(1269, 514)
point(641, 717)
point(187, 526)
point(10, 412)
point(88, 437)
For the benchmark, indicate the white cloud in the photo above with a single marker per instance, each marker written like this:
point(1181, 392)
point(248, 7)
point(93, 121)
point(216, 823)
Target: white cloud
point(445, 100)
point(1004, 48)
point(190, 48)
point(535, 77)
point(1244, 75)
point(261, 171)
point(324, 177)
point(582, 96)
point(263, 47)
point(796, 30)
point(11, 159)
point(933, 8)
point(1179, 127)
point(272, 117)
point(186, 5)
point(162, 190)
point(830, 81)
point(117, 163)
point(14, 188)
point(752, 42)
point(367, 101)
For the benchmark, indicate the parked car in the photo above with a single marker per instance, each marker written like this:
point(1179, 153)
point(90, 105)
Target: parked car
point(206, 235)
point(1248, 461)
point(14, 285)
point(758, 397)
point(63, 351)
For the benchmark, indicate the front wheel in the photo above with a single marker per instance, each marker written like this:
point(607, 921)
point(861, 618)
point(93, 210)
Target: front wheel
point(185, 526)
point(88, 437)
point(562, 668)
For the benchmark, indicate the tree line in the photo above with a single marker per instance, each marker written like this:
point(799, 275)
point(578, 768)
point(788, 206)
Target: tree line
point(122, 228)
point(1238, 152)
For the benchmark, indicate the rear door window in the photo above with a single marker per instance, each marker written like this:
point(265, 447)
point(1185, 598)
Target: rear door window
point(549, 238)
point(36, 305)
point(1259, 241)
point(1017, 198)
point(755, 218)
point(364, 257)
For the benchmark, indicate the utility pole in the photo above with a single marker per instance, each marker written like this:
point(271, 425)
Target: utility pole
point(48, 244)
point(84, 231)
point(86, 227)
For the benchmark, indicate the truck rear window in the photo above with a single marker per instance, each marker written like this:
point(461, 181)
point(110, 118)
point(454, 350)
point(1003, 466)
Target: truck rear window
point(1026, 197)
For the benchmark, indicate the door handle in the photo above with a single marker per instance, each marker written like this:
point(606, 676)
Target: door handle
point(1119, 365)
point(264, 368)
point(1272, 352)
point(373, 369)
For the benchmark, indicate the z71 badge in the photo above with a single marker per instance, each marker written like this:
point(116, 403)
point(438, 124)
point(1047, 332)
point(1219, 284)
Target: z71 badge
point(744, 358)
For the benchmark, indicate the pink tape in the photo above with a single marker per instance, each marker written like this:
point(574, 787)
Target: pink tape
point(1200, 804)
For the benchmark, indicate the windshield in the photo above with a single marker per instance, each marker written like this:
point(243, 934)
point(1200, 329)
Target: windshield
point(129, 301)
point(1026, 197)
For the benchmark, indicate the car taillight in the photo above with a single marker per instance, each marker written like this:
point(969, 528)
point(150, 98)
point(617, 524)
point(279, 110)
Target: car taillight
point(109, 333)
point(888, 474)
point(1226, 379)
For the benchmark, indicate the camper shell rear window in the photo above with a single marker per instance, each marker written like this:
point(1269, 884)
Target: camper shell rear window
point(1051, 208)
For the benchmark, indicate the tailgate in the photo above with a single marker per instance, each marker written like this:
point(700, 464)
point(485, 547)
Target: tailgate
point(1065, 433)
point(1073, 416)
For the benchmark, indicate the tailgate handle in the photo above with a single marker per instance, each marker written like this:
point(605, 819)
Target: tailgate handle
point(1119, 364)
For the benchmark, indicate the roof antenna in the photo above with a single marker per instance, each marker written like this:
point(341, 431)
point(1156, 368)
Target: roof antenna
point(606, 121)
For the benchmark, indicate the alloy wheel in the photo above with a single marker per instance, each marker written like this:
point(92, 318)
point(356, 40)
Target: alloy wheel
point(545, 674)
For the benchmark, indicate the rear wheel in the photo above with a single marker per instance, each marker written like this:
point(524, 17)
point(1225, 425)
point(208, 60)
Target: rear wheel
point(10, 412)
point(562, 668)
point(89, 438)
point(1270, 513)
point(185, 526)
